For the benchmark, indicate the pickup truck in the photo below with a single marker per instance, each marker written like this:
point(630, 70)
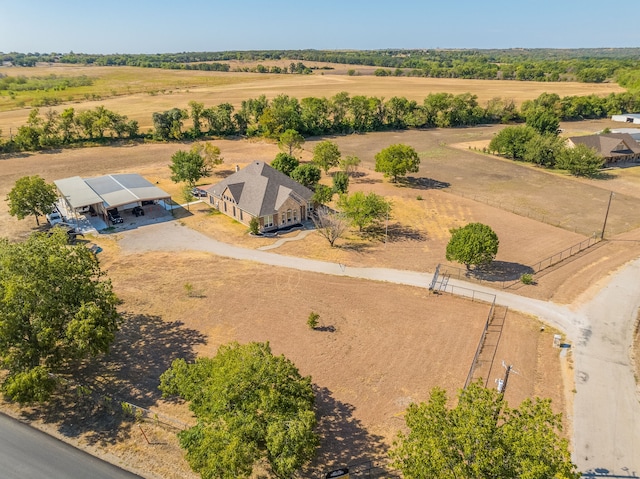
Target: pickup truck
point(54, 217)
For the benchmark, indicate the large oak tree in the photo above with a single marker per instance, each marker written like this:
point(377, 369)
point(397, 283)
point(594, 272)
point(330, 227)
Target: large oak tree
point(55, 307)
point(473, 245)
point(482, 437)
point(397, 160)
point(250, 405)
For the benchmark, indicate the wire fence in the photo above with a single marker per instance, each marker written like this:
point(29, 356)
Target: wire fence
point(474, 276)
point(480, 344)
point(564, 254)
point(116, 405)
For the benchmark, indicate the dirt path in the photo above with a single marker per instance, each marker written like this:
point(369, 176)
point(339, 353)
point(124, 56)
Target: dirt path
point(606, 409)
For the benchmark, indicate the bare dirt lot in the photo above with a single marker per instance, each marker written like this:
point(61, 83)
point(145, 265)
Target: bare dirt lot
point(382, 345)
point(368, 360)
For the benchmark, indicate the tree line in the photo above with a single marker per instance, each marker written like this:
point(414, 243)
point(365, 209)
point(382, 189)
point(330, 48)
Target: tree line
point(584, 65)
point(311, 116)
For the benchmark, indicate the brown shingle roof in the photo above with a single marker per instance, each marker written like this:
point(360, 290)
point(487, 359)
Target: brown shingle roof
point(260, 189)
point(609, 145)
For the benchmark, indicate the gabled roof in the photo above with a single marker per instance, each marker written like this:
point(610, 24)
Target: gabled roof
point(609, 145)
point(261, 190)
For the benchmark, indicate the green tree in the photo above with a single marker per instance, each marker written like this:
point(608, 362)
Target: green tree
point(340, 182)
point(250, 405)
point(363, 210)
point(482, 437)
point(543, 121)
point(474, 244)
point(511, 141)
point(543, 150)
point(349, 164)
point(55, 308)
point(168, 124)
point(315, 115)
point(290, 142)
point(31, 195)
point(281, 115)
point(580, 161)
point(209, 152)
point(326, 155)
point(28, 136)
point(285, 163)
point(396, 161)
point(197, 110)
point(323, 194)
point(187, 195)
point(188, 166)
point(307, 175)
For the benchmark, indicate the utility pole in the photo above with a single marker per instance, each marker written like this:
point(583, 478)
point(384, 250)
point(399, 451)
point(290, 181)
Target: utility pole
point(606, 215)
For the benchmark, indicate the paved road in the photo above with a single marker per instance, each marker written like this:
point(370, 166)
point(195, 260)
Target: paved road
point(606, 413)
point(27, 453)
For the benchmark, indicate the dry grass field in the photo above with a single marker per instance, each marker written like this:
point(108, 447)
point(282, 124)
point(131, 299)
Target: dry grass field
point(380, 345)
point(139, 92)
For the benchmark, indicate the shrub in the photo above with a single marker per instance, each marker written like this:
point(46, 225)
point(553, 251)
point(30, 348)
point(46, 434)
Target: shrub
point(313, 320)
point(254, 226)
point(526, 278)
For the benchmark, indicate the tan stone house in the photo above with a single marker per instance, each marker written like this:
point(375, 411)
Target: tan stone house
point(260, 191)
point(613, 147)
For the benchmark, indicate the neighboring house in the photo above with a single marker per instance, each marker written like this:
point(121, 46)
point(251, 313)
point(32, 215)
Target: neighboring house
point(613, 147)
point(627, 118)
point(259, 191)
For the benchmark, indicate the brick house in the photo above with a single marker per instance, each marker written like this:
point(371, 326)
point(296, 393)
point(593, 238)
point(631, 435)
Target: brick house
point(260, 191)
point(612, 147)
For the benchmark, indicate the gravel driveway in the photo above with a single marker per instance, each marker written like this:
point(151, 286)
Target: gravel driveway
point(606, 416)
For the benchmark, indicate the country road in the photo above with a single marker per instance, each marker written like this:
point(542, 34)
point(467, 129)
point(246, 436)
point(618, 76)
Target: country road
point(26, 453)
point(606, 416)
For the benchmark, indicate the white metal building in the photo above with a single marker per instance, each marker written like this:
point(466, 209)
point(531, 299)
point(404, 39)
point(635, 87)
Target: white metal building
point(627, 118)
point(633, 132)
point(100, 194)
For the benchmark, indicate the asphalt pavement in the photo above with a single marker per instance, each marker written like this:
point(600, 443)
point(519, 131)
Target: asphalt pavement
point(27, 453)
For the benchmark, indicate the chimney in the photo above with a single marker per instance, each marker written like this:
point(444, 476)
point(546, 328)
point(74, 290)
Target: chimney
point(237, 168)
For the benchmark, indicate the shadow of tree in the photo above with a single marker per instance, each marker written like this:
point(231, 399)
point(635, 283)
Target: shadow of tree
point(367, 181)
point(423, 183)
point(501, 271)
point(144, 348)
point(399, 232)
point(224, 173)
point(356, 247)
point(393, 233)
point(344, 439)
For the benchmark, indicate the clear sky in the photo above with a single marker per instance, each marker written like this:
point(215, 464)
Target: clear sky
point(160, 26)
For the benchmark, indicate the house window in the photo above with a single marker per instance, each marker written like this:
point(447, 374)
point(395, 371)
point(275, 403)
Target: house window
point(284, 218)
point(288, 216)
point(295, 216)
point(234, 211)
point(268, 221)
point(225, 206)
point(240, 215)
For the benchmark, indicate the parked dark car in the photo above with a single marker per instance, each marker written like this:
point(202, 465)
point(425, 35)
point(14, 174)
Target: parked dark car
point(198, 193)
point(72, 233)
point(138, 211)
point(114, 216)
